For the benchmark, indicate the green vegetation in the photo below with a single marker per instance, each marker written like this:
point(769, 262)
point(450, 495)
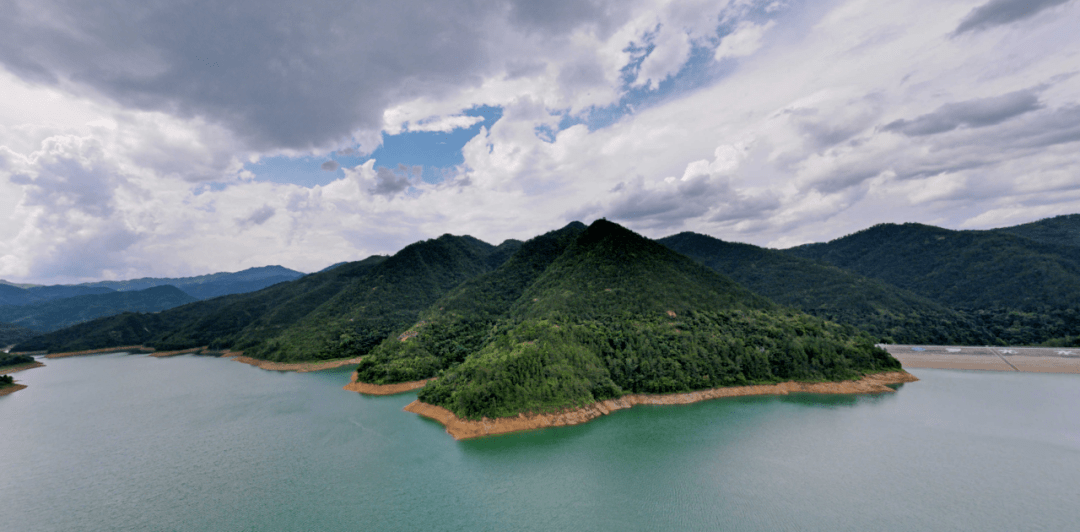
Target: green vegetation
point(59, 313)
point(1057, 231)
point(459, 322)
point(7, 359)
point(6, 380)
point(1019, 290)
point(13, 334)
point(341, 312)
point(580, 316)
point(888, 313)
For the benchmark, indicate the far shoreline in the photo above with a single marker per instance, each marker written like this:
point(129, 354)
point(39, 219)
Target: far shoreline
point(466, 429)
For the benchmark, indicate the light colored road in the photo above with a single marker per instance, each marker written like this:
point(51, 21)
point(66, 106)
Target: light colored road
point(1032, 359)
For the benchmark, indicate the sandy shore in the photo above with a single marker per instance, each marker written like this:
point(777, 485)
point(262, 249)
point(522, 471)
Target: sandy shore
point(127, 348)
point(11, 388)
point(383, 389)
point(19, 367)
point(463, 428)
point(299, 367)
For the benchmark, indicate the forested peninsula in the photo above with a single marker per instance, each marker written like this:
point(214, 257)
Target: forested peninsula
point(583, 315)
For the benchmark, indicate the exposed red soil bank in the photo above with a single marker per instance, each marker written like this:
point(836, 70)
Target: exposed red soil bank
point(383, 389)
point(164, 354)
point(464, 428)
point(299, 367)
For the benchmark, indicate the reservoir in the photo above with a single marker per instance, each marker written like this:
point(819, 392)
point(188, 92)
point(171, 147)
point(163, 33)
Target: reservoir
point(131, 442)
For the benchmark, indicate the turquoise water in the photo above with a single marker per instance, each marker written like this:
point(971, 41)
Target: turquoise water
point(129, 442)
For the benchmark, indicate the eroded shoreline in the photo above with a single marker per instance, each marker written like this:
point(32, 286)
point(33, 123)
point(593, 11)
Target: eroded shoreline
point(464, 428)
point(383, 389)
point(11, 388)
point(299, 367)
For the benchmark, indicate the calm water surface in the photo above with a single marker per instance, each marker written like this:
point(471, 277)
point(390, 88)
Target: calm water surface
point(123, 442)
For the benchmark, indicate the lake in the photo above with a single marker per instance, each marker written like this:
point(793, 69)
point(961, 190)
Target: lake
point(131, 442)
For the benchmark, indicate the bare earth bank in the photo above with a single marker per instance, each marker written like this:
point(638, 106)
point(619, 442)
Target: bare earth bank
point(463, 428)
point(383, 389)
point(299, 367)
point(10, 389)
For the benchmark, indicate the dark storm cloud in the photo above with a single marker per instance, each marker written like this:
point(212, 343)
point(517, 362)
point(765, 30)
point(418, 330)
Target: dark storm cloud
point(280, 74)
point(971, 113)
point(329, 166)
point(999, 12)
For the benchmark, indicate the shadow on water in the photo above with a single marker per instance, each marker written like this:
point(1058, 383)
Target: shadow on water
point(836, 400)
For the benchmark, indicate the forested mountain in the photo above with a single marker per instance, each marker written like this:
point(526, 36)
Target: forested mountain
point(1059, 231)
point(890, 314)
point(612, 313)
point(59, 313)
point(13, 334)
point(13, 295)
point(344, 311)
point(1020, 290)
point(212, 285)
point(459, 322)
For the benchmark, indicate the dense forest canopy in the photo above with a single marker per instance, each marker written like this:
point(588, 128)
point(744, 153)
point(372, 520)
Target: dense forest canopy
point(578, 316)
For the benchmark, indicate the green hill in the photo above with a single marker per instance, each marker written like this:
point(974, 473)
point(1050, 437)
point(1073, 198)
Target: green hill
point(459, 322)
point(1020, 290)
point(13, 334)
point(616, 313)
point(59, 313)
point(1058, 231)
point(890, 314)
point(344, 311)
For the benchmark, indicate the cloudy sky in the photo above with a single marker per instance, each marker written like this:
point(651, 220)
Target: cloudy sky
point(170, 138)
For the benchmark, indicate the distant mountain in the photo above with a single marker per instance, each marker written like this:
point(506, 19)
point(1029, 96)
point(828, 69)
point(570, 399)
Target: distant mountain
point(13, 295)
point(19, 285)
point(341, 312)
point(13, 334)
point(1021, 290)
point(212, 285)
point(1059, 230)
point(56, 314)
point(889, 313)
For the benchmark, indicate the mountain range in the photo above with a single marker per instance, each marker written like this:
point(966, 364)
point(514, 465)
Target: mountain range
point(48, 308)
point(613, 312)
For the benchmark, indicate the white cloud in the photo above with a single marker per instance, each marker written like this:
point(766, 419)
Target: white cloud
point(854, 113)
point(745, 40)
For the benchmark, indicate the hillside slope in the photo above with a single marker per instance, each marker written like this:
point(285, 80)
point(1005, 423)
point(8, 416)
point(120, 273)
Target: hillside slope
point(341, 312)
point(1020, 290)
point(1057, 231)
point(890, 314)
point(616, 313)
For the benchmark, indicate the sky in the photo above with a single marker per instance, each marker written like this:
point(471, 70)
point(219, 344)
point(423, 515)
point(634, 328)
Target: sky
point(182, 138)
